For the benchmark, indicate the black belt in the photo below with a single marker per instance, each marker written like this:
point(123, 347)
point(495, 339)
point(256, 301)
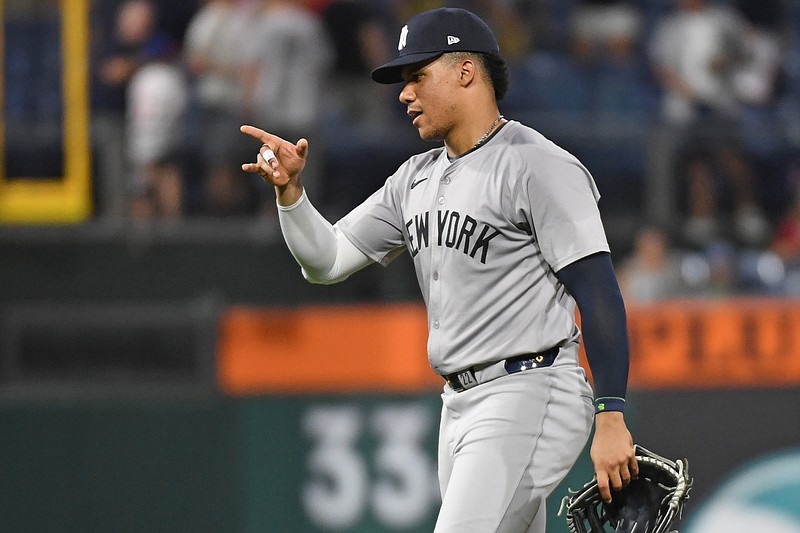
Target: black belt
point(466, 379)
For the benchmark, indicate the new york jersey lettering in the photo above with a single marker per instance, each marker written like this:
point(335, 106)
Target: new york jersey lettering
point(419, 238)
point(453, 230)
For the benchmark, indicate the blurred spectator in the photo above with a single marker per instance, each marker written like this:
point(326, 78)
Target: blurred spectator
point(603, 30)
point(696, 51)
point(132, 41)
point(139, 77)
point(605, 39)
point(762, 86)
point(359, 45)
point(717, 178)
point(215, 40)
point(758, 77)
point(136, 40)
point(652, 272)
point(157, 103)
point(288, 57)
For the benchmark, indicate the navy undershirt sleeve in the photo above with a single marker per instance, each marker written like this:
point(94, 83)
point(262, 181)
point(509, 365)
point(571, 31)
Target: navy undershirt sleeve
point(593, 284)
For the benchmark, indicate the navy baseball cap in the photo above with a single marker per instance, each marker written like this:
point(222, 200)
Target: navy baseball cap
point(433, 33)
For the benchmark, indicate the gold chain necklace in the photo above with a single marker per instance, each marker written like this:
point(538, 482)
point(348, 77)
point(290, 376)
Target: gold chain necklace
point(486, 135)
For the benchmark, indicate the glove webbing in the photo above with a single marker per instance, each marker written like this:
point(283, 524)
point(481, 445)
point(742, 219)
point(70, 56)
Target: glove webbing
point(576, 502)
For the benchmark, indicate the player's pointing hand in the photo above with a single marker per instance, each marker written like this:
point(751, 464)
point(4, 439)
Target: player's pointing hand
point(278, 161)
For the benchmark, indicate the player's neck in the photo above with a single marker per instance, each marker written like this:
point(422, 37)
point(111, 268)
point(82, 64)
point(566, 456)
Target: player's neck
point(473, 135)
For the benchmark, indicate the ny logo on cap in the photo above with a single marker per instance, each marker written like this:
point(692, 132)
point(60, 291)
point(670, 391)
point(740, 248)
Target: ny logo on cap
point(403, 37)
point(452, 40)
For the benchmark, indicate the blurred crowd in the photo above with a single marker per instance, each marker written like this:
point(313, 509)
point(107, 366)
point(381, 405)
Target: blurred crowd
point(710, 89)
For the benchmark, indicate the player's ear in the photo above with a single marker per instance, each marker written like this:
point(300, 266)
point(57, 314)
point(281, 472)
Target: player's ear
point(466, 72)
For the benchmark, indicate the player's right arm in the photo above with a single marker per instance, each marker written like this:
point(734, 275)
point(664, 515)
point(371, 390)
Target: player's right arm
point(324, 253)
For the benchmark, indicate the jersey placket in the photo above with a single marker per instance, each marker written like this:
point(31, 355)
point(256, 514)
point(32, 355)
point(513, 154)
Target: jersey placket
point(437, 322)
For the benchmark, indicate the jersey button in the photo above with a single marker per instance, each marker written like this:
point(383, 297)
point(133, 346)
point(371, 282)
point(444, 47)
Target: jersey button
point(441, 200)
point(445, 180)
point(435, 324)
point(435, 276)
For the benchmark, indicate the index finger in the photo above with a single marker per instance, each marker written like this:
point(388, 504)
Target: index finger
point(259, 134)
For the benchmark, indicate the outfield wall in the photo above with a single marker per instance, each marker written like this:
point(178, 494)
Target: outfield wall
point(323, 418)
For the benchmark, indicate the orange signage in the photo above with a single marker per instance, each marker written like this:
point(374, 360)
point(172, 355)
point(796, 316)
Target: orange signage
point(375, 348)
point(715, 343)
point(325, 349)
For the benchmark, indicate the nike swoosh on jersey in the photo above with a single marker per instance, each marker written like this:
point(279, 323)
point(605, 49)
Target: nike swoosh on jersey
point(417, 182)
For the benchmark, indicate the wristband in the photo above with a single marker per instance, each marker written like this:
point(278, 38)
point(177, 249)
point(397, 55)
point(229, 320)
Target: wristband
point(609, 403)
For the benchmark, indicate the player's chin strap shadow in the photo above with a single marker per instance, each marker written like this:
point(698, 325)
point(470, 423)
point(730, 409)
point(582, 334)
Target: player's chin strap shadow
point(649, 504)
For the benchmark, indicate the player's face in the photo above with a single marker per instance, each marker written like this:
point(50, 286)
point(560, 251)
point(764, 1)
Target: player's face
point(428, 94)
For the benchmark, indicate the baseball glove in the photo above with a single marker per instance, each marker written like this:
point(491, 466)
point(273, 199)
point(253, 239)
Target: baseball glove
point(649, 504)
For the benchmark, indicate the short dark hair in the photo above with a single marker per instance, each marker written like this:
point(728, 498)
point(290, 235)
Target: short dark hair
point(494, 69)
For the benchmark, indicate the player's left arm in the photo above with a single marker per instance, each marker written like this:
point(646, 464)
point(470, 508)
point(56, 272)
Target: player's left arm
point(592, 282)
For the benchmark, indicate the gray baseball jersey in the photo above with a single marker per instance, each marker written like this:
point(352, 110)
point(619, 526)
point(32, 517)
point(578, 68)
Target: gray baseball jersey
point(487, 232)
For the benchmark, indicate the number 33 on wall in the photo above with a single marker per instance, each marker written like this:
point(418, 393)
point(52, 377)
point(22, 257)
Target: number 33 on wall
point(374, 462)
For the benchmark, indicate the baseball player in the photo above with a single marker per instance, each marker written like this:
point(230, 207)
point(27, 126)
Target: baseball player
point(506, 237)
